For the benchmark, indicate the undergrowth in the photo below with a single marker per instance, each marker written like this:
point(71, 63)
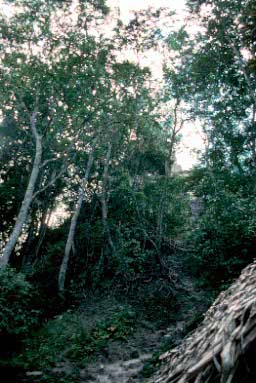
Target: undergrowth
point(152, 365)
point(68, 338)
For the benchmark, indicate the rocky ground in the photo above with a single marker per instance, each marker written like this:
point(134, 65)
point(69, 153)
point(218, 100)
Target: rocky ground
point(122, 371)
point(122, 361)
point(124, 365)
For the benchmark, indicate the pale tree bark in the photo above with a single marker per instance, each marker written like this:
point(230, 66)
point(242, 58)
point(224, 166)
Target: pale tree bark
point(26, 203)
point(72, 228)
point(178, 124)
point(104, 203)
point(170, 155)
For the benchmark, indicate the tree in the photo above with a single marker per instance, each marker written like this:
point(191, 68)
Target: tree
point(71, 234)
point(22, 216)
point(215, 77)
point(41, 102)
point(92, 122)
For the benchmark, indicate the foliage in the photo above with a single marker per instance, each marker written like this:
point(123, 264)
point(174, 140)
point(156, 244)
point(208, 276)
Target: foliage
point(157, 298)
point(87, 98)
point(139, 245)
point(224, 236)
point(135, 209)
point(216, 80)
point(69, 337)
point(17, 299)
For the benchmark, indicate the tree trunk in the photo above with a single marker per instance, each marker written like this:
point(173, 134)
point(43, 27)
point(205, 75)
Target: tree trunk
point(104, 206)
point(42, 231)
point(23, 213)
point(35, 241)
point(72, 228)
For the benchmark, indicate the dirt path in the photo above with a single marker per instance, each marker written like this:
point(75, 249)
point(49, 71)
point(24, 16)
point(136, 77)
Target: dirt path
point(117, 372)
point(125, 363)
point(122, 360)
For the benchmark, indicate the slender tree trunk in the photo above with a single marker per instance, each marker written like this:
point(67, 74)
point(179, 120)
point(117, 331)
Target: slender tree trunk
point(72, 228)
point(23, 213)
point(160, 218)
point(104, 205)
point(28, 246)
point(42, 231)
point(32, 249)
point(168, 173)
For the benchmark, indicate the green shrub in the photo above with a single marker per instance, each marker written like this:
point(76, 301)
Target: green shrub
point(17, 315)
point(224, 237)
point(68, 337)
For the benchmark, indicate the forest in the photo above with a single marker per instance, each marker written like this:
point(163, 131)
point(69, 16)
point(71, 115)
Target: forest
point(110, 251)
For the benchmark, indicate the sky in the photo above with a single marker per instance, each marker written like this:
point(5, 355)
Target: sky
point(193, 138)
point(139, 4)
point(178, 5)
point(127, 6)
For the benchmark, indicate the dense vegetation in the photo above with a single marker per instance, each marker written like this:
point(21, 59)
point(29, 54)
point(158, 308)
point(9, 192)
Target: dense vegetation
point(88, 131)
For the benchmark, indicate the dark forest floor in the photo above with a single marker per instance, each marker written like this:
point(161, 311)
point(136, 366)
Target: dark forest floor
point(112, 338)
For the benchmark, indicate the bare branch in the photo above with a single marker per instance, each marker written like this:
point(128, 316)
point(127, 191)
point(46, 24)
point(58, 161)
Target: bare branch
point(52, 182)
point(48, 161)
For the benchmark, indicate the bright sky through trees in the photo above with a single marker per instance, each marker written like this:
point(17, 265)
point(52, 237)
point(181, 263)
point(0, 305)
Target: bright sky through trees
point(192, 140)
point(178, 5)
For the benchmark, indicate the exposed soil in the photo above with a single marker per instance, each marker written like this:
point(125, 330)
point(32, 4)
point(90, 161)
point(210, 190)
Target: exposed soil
point(122, 360)
point(123, 363)
point(121, 371)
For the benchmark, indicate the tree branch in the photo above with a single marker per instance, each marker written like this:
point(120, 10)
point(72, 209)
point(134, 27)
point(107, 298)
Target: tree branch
point(48, 161)
point(52, 182)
